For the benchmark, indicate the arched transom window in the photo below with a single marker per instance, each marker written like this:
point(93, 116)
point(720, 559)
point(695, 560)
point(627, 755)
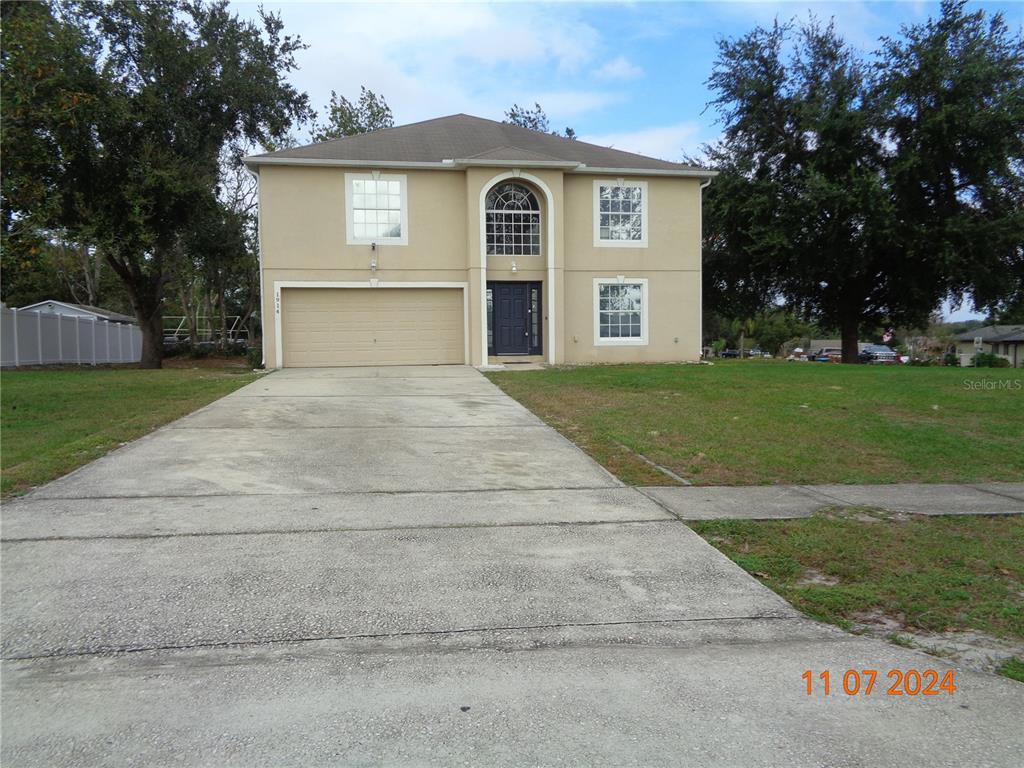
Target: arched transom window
point(512, 221)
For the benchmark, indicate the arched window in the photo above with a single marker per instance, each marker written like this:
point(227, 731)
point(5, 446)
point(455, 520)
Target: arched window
point(512, 221)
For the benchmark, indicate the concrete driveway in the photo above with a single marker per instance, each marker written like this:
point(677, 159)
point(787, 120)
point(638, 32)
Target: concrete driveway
point(403, 566)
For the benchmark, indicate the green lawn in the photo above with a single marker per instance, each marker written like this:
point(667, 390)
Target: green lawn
point(56, 420)
point(929, 573)
point(762, 422)
point(904, 578)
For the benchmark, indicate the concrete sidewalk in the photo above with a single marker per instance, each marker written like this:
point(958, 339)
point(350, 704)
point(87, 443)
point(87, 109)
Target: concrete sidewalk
point(778, 502)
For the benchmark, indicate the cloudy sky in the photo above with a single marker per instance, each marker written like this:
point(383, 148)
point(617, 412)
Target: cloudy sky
point(628, 75)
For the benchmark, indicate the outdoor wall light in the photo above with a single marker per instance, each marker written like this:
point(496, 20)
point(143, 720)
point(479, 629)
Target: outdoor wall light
point(514, 267)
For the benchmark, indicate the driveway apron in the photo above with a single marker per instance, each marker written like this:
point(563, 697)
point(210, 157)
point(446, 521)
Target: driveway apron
point(403, 566)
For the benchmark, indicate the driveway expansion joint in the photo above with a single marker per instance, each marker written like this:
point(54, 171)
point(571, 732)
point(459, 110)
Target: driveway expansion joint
point(663, 505)
point(119, 650)
point(361, 529)
point(325, 492)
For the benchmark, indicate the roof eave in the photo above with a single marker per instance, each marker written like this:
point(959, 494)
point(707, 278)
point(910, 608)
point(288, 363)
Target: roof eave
point(483, 162)
point(570, 166)
point(254, 161)
point(695, 173)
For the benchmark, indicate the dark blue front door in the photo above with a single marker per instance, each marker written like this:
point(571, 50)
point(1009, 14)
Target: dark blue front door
point(514, 320)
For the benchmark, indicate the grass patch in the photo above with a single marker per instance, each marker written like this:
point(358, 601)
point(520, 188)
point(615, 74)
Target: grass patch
point(761, 422)
point(1013, 669)
point(57, 420)
point(932, 574)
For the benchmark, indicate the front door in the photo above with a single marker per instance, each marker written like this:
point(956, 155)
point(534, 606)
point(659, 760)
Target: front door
point(515, 318)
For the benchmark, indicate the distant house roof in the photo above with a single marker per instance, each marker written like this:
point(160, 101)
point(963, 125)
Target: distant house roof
point(459, 141)
point(51, 305)
point(991, 333)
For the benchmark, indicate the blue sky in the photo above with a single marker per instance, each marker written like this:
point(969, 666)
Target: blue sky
point(629, 75)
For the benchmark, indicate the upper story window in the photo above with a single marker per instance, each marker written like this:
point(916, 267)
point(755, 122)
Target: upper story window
point(620, 214)
point(512, 221)
point(376, 208)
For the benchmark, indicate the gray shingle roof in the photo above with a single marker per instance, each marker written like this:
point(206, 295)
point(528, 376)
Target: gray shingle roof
point(990, 333)
point(472, 140)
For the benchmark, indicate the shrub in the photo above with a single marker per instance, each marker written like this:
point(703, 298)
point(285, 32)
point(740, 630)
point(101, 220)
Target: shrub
point(951, 359)
point(988, 360)
point(255, 356)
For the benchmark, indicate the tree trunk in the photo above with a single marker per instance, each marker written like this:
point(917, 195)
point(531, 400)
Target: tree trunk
point(223, 323)
point(850, 330)
point(147, 294)
point(92, 265)
point(188, 305)
point(152, 328)
point(208, 304)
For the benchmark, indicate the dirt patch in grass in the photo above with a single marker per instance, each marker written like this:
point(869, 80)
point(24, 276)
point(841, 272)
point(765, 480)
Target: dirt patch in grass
point(752, 423)
point(952, 586)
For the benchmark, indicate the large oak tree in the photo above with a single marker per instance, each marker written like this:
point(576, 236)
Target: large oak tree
point(864, 192)
point(134, 140)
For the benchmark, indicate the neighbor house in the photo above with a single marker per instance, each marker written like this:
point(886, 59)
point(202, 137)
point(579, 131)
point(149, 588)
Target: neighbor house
point(1006, 341)
point(464, 240)
point(54, 307)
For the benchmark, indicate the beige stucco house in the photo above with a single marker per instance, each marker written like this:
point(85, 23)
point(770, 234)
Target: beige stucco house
point(464, 240)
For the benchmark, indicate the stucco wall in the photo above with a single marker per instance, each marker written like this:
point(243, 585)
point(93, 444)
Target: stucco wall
point(670, 263)
point(302, 229)
point(1012, 352)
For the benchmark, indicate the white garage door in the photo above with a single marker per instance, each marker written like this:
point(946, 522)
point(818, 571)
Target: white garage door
point(371, 326)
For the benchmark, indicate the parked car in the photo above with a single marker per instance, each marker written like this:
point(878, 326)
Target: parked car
point(878, 354)
point(730, 353)
point(828, 355)
point(755, 352)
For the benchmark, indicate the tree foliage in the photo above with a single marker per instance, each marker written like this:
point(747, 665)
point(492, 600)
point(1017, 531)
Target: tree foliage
point(136, 158)
point(370, 113)
point(863, 193)
point(951, 92)
point(535, 119)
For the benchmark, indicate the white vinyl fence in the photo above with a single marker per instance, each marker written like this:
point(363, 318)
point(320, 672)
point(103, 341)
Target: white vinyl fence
point(40, 338)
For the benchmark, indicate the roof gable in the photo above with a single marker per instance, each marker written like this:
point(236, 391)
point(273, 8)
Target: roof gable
point(444, 141)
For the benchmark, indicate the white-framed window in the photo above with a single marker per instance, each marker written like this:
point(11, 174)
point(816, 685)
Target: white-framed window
point(512, 221)
point(376, 209)
point(620, 213)
point(620, 311)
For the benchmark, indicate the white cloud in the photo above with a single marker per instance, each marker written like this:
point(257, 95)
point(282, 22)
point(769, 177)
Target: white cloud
point(669, 142)
point(619, 68)
point(437, 59)
point(569, 103)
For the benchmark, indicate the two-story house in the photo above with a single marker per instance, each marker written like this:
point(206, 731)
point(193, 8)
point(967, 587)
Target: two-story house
point(464, 240)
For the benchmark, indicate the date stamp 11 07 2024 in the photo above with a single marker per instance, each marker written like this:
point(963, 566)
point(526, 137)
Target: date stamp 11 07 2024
point(896, 682)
